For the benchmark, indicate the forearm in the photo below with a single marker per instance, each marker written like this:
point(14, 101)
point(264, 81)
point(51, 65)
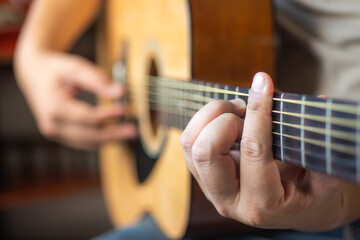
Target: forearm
point(55, 25)
point(51, 26)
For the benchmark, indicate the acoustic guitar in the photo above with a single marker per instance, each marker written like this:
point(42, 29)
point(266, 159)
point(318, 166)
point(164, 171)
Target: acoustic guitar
point(157, 48)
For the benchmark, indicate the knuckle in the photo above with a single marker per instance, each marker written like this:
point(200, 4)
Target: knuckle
point(255, 218)
point(52, 112)
point(201, 151)
point(223, 211)
point(219, 105)
point(255, 106)
point(53, 116)
point(48, 130)
point(254, 215)
point(260, 214)
point(47, 123)
point(78, 60)
point(229, 118)
point(186, 141)
point(252, 147)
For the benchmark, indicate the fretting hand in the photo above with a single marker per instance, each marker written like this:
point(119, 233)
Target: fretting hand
point(256, 189)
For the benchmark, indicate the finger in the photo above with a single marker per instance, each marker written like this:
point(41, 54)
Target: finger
point(85, 137)
point(322, 96)
point(203, 117)
point(260, 178)
point(80, 112)
point(216, 168)
point(89, 77)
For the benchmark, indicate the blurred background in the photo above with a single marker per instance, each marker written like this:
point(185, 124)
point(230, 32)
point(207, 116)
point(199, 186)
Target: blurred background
point(47, 191)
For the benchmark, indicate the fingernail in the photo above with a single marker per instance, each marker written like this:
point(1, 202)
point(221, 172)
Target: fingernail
point(115, 90)
point(258, 83)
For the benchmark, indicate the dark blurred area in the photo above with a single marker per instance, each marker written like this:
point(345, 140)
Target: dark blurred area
point(47, 191)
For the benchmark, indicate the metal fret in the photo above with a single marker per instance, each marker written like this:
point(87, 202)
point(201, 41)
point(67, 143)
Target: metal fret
point(226, 96)
point(237, 91)
point(328, 136)
point(281, 128)
point(208, 93)
point(302, 132)
point(170, 120)
point(203, 92)
point(216, 94)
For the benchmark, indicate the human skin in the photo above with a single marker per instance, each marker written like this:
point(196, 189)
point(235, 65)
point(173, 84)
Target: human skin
point(50, 78)
point(255, 189)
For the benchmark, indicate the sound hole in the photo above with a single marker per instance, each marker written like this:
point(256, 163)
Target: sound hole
point(145, 162)
point(153, 98)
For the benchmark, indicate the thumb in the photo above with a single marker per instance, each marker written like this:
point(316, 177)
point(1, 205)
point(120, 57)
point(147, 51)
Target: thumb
point(89, 77)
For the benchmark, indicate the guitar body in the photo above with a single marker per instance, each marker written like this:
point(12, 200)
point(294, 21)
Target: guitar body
point(224, 41)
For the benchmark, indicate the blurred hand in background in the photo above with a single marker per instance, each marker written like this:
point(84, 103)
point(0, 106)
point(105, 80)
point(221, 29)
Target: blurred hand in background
point(50, 78)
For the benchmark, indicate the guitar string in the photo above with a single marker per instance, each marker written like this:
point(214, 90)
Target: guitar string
point(193, 98)
point(193, 86)
point(346, 122)
point(338, 107)
point(183, 85)
point(316, 142)
point(319, 158)
point(335, 146)
point(334, 133)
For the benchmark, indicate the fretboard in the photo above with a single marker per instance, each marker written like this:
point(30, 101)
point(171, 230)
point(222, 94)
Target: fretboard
point(309, 132)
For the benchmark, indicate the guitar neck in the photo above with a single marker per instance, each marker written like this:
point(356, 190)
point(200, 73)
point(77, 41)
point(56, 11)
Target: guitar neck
point(309, 132)
point(317, 134)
